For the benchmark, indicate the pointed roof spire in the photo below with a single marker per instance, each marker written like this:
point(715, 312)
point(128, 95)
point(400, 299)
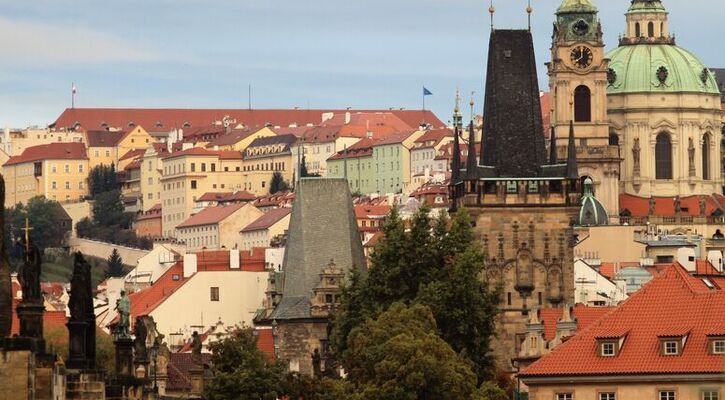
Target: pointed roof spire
point(472, 161)
point(456, 156)
point(553, 159)
point(572, 170)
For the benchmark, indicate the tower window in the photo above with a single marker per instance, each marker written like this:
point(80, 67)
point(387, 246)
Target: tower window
point(706, 157)
point(582, 104)
point(613, 139)
point(651, 29)
point(663, 157)
point(637, 30)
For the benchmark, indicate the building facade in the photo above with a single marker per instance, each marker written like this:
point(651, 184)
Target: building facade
point(217, 227)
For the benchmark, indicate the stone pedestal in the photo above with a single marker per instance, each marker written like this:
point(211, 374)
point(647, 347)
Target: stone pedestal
point(85, 385)
point(196, 375)
point(30, 315)
point(77, 346)
point(124, 356)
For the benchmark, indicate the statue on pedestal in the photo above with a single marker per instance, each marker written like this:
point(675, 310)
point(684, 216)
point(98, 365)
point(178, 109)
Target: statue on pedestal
point(196, 347)
point(82, 322)
point(139, 343)
point(29, 275)
point(123, 307)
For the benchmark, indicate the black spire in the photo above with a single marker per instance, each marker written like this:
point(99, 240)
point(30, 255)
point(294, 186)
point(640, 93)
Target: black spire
point(552, 149)
point(472, 162)
point(572, 171)
point(456, 156)
point(514, 140)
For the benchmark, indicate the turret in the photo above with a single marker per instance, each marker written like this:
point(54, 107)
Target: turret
point(647, 22)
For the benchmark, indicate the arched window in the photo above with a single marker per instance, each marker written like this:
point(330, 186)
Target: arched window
point(662, 29)
point(706, 157)
point(651, 29)
point(582, 104)
point(663, 157)
point(637, 30)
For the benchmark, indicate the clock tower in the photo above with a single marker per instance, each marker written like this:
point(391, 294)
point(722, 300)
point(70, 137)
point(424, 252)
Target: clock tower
point(578, 80)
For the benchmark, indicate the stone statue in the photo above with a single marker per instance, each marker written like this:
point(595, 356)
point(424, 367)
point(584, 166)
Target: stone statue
point(139, 342)
point(196, 347)
point(635, 157)
point(703, 206)
point(123, 307)
point(6, 295)
point(79, 295)
point(651, 206)
point(29, 275)
point(82, 322)
point(691, 156)
point(316, 363)
point(678, 205)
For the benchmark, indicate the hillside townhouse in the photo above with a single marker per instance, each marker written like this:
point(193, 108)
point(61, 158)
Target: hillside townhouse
point(57, 171)
point(202, 290)
point(356, 164)
point(151, 172)
point(424, 162)
point(148, 224)
point(188, 174)
point(391, 160)
point(15, 141)
point(108, 147)
point(262, 231)
point(212, 199)
point(239, 139)
point(265, 156)
point(665, 342)
point(217, 227)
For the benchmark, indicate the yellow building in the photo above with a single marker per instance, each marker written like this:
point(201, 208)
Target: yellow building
point(265, 156)
point(14, 142)
point(57, 171)
point(190, 173)
point(238, 139)
point(151, 169)
point(217, 227)
point(102, 147)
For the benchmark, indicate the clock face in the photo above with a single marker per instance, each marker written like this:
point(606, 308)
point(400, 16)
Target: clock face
point(582, 57)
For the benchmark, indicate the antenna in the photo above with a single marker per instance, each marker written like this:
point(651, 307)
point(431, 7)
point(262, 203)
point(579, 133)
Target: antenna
point(529, 10)
point(249, 98)
point(491, 10)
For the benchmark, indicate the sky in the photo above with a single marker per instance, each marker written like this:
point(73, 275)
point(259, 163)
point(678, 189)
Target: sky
point(312, 53)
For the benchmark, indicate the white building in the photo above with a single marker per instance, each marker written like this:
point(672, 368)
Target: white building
point(592, 288)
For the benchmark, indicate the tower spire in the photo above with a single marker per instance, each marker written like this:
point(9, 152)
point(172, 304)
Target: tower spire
point(491, 10)
point(529, 10)
point(572, 170)
point(552, 147)
point(472, 160)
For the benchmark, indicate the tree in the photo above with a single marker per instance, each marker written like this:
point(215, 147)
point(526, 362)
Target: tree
point(278, 184)
point(400, 356)
point(240, 370)
point(108, 208)
point(303, 167)
point(115, 265)
point(44, 219)
point(101, 179)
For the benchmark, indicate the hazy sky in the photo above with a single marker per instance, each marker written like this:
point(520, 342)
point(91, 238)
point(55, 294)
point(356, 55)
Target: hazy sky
point(316, 53)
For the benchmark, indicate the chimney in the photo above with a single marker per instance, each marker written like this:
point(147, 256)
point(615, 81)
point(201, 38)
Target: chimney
point(189, 265)
point(347, 117)
point(234, 259)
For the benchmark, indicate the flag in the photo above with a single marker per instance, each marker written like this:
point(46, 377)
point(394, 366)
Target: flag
point(427, 92)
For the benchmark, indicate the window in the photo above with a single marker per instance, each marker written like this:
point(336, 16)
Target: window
point(80, 168)
point(608, 349)
point(663, 157)
point(607, 396)
point(54, 185)
point(508, 298)
point(564, 396)
point(193, 167)
point(637, 30)
point(193, 184)
point(718, 346)
point(651, 29)
point(67, 185)
point(670, 348)
point(613, 139)
point(203, 167)
point(108, 153)
point(710, 394)
point(706, 157)
point(66, 168)
point(582, 104)
point(213, 167)
point(667, 395)
point(52, 168)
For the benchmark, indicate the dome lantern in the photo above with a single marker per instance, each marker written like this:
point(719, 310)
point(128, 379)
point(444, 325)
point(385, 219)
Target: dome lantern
point(592, 212)
point(647, 22)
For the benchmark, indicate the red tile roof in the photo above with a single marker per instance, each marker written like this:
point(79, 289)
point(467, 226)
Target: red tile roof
point(92, 118)
point(394, 138)
point(151, 213)
point(584, 316)
point(232, 137)
point(226, 197)
point(704, 267)
point(363, 148)
point(377, 236)
point(103, 138)
point(269, 218)
point(608, 269)
point(671, 301)
point(435, 136)
point(214, 196)
point(211, 215)
point(178, 370)
point(132, 154)
point(279, 199)
point(199, 151)
point(52, 151)
point(365, 211)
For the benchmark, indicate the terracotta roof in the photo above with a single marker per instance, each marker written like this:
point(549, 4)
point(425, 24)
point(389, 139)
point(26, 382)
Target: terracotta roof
point(214, 196)
point(178, 370)
point(211, 215)
point(394, 138)
point(279, 199)
point(608, 270)
point(135, 164)
point(704, 267)
point(584, 316)
point(231, 138)
point(103, 138)
point(286, 140)
point(269, 218)
point(363, 148)
point(132, 154)
point(672, 301)
point(199, 151)
point(52, 151)
point(430, 188)
point(364, 211)
point(435, 136)
point(377, 236)
point(665, 206)
point(92, 118)
point(152, 213)
point(545, 100)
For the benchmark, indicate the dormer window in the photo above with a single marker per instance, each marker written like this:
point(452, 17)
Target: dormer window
point(608, 349)
point(673, 344)
point(718, 346)
point(670, 348)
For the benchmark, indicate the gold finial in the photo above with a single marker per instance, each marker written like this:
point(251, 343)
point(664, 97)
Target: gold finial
point(491, 10)
point(472, 103)
point(457, 110)
point(529, 10)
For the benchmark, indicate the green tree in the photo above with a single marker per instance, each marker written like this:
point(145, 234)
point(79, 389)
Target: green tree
point(399, 356)
point(101, 179)
point(108, 208)
point(44, 219)
point(303, 167)
point(115, 265)
point(278, 183)
point(240, 370)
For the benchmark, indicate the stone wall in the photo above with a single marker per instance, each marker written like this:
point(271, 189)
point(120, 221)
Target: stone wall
point(77, 211)
point(16, 380)
point(94, 248)
point(297, 341)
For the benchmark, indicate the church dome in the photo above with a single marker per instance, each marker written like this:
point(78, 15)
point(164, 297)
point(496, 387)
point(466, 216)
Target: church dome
point(658, 68)
point(591, 213)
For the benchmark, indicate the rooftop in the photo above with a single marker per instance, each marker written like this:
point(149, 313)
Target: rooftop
point(52, 151)
point(211, 215)
point(268, 219)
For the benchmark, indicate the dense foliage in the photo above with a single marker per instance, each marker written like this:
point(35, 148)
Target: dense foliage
point(436, 264)
point(115, 265)
point(278, 184)
point(102, 179)
point(110, 223)
point(44, 217)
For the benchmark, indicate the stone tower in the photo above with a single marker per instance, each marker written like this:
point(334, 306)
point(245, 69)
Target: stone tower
point(522, 204)
point(578, 80)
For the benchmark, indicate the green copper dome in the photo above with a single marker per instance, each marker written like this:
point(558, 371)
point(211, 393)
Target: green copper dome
point(647, 6)
point(576, 6)
point(591, 213)
point(658, 68)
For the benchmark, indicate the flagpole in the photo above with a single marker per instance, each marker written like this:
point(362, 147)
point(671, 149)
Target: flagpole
point(73, 95)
